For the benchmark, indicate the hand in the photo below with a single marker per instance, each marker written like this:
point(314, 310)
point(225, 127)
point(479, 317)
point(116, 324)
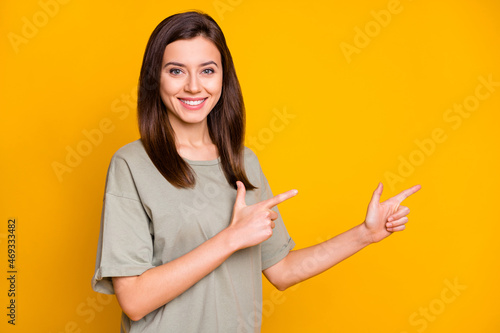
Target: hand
point(384, 218)
point(251, 225)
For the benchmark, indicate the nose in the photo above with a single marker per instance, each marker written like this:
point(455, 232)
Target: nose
point(193, 84)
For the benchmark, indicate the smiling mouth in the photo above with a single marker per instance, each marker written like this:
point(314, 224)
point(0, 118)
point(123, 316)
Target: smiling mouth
point(192, 103)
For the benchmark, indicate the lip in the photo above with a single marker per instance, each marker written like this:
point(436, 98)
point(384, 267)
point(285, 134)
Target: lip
point(192, 107)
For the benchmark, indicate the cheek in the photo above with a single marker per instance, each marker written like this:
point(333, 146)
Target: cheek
point(168, 88)
point(215, 86)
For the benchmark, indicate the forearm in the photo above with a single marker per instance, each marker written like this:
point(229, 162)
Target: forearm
point(139, 295)
point(305, 263)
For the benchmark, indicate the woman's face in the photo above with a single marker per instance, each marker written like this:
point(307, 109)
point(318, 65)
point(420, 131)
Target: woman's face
point(191, 80)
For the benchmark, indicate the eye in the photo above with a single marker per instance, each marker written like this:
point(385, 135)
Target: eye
point(175, 71)
point(208, 71)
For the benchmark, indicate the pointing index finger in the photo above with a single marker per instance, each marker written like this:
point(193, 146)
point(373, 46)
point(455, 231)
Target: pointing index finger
point(271, 202)
point(406, 193)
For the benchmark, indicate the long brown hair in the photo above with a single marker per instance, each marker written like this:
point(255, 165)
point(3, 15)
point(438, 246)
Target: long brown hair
point(226, 121)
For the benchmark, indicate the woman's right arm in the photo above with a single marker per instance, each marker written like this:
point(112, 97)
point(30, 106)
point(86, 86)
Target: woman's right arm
point(139, 295)
point(250, 225)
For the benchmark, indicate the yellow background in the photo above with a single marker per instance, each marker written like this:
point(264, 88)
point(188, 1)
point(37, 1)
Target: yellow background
point(353, 119)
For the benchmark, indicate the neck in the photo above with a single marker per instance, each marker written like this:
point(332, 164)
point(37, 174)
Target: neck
point(192, 134)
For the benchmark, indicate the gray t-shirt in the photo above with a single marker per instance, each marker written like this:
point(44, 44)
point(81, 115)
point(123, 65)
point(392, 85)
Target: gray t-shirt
point(147, 222)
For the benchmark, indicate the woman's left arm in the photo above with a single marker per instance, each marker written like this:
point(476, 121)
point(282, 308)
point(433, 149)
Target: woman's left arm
point(382, 219)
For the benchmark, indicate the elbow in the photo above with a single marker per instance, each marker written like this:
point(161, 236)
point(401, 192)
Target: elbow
point(127, 299)
point(134, 316)
point(281, 276)
point(133, 308)
point(280, 284)
point(130, 309)
point(281, 287)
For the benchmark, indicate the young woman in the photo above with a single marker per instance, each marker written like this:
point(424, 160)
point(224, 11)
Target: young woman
point(189, 222)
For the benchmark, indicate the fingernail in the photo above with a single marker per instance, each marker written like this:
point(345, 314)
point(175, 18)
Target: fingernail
point(389, 225)
point(390, 219)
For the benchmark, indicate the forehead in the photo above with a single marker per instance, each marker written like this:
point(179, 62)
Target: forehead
point(191, 51)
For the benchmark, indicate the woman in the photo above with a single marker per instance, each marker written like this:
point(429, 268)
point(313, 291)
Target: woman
point(189, 222)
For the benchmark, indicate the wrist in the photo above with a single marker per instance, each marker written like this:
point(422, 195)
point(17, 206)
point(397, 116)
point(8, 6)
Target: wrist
point(365, 236)
point(229, 239)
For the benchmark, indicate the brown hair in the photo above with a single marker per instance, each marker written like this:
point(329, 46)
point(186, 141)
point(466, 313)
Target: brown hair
point(226, 121)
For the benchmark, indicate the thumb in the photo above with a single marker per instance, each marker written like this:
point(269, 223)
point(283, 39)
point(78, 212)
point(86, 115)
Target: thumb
point(376, 195)
point(240, 194)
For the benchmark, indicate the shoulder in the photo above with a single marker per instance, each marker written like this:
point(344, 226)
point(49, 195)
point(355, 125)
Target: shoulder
point(253, 168)
point(120, 176)
point(130, 158)
point(130, 150)
point(250, 158)
point(248, 153)
point(133, 154)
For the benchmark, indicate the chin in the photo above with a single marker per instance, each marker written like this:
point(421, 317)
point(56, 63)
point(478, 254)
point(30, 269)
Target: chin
point(194, 119)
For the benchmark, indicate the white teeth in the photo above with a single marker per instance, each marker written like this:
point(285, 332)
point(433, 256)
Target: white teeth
point(198, 102)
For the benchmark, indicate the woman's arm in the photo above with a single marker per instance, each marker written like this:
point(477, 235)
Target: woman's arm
point(250, 225)
point(382, 219)
point(139, 295)
point(300, 265)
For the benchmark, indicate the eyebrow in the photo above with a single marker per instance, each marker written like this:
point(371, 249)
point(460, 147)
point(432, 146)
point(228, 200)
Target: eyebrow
point(182, 65)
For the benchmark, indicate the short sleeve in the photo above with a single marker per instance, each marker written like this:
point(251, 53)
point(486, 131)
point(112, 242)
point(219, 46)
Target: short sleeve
point(280, 243)
point(125, 246)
